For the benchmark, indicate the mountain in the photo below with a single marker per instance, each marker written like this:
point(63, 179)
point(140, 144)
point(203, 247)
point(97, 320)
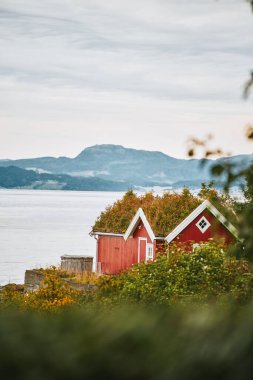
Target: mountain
point(12, 177)
point(118, 164)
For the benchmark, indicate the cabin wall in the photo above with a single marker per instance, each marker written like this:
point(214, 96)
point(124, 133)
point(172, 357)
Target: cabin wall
point(116, 255)
point(216, 231)
point(141, 232)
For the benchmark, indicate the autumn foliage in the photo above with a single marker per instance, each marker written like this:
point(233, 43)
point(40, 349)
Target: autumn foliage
point(163, 212)
point(52, 295)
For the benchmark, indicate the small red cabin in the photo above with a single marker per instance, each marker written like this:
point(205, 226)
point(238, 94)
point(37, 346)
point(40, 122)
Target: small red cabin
point(117, 252)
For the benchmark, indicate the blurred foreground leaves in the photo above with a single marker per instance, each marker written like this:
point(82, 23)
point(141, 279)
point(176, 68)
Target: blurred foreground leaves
point(176, 343)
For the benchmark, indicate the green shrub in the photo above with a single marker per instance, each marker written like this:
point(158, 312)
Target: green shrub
point(204, 275)
point(53, 295)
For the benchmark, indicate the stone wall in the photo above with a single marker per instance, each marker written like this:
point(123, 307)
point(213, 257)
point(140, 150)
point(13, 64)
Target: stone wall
point(34, 278)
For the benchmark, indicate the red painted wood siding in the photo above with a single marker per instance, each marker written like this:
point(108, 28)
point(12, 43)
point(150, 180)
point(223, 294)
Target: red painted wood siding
point(116, 255)
point(216, 231)
point(141, 232)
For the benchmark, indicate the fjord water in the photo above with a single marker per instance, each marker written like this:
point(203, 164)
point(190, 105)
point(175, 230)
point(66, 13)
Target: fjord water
point(38, 226)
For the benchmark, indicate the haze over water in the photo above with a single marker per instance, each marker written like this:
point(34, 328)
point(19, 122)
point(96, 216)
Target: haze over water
point(38, 226)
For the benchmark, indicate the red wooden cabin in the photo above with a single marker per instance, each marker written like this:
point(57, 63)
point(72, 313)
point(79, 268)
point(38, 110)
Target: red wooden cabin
point(117, 252)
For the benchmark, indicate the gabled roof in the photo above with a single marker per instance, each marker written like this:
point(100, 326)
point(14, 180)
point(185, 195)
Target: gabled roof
point(205, 205)
point(134, 223)
point(163, 212)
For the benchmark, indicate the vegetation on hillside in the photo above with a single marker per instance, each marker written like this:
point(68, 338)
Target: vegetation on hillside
point(12, 177)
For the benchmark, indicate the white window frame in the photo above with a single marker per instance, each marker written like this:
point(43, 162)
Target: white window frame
point(203, 218)
point(149, 246)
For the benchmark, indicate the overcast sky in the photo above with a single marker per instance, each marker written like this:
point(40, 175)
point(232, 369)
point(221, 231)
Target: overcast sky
point(140, 73)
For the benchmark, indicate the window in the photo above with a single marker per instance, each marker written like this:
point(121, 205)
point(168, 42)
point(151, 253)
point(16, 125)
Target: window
point(149, 252)
point(203, 224)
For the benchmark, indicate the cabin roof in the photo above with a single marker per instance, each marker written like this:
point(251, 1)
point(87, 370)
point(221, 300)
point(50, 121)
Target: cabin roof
point(195, 213)
point(139, 216)
point(161, 215)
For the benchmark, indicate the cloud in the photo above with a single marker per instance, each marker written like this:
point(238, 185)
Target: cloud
point(67, 64)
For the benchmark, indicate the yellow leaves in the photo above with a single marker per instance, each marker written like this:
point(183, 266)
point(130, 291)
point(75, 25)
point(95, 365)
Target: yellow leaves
point(53, 295)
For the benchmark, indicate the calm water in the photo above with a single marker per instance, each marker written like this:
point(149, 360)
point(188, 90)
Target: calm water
point(38, 226)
